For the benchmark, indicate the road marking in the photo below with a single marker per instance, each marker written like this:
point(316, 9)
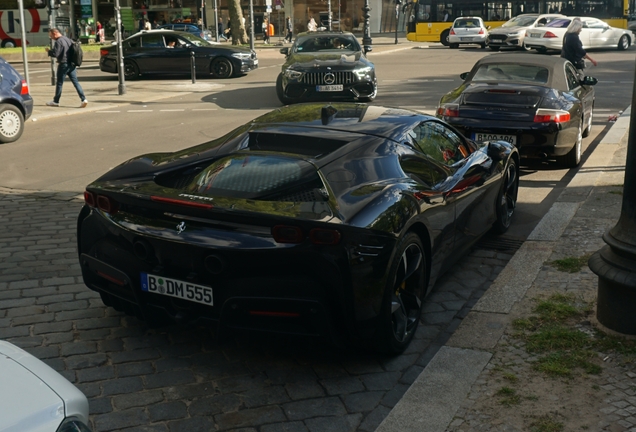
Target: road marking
point(443, 80)
point(140, 110)
point(418, 80)
point(172, 110)
point(109, 111)
point(204, 109)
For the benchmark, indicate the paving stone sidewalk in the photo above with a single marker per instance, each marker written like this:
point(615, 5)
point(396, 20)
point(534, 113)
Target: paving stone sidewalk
point(181, 378)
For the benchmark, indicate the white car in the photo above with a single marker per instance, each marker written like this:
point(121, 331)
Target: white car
point(595, 34)
point(35, 398)
point(467, 30)
point(512, 33)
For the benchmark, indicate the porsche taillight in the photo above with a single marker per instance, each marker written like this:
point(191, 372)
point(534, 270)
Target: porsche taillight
point(451, 110)
point(551, 116)
point(25, 88)
point(549, 34)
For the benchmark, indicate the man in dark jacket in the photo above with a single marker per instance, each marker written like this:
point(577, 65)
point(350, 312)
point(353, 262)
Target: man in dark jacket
point(64, 67)
point(290, 30)
point(573, 47)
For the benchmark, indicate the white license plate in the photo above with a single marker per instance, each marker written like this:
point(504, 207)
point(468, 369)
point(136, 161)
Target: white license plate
point(466, 39)
point(256, 61)
point(481, 137)
point(330, 88)
point(535, 35)
point(176, 288)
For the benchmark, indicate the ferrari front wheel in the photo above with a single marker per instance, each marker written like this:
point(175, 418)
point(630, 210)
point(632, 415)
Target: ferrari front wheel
point(404, 294)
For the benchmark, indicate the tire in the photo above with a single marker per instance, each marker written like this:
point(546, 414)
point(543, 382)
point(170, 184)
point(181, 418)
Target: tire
point(494, 48)
point(507, 198)
point(588, 126)
point(453, 46)
point(483, 45)
point(221, 68)
point(131, 71)
point(279, 91)
point(11, 123)
point(403, 296)
point(573, 157)
point(623, 43)
point(8, 43)
point(525, 47)
point(443, 37)
point(542, 50)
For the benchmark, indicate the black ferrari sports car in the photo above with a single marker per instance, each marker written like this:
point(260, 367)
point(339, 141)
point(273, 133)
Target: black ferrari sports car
point(310, 219)
point(326, 66)
point(540, 104)
point(167, 52)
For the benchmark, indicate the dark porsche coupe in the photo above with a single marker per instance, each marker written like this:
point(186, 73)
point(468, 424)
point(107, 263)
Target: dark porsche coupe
point(538, 103)
point(167, 52)
point(311, 219)
point(326, 66)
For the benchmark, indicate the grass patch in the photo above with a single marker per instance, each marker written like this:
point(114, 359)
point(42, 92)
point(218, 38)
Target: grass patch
point(616, 192)
point(570, 264)
point(508, 396)
point(510, 377)
point(546, 424)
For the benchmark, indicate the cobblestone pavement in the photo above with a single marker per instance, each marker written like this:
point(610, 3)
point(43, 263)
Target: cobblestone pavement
point(604, 402)
point(182, 378)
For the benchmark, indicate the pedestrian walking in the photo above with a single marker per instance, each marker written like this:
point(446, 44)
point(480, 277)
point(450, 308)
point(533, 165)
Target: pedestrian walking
point(64, 67)
point(265, 27)
point(98, 33)
point(312, 26)
point(573, 47)
point(290, 30)
point(220, 30)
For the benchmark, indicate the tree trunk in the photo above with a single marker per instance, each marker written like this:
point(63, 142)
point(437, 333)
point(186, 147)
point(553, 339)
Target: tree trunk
point(239, 36)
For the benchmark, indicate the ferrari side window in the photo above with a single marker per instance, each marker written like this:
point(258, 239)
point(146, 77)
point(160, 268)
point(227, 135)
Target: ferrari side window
point(572, 77)
point(438, 142)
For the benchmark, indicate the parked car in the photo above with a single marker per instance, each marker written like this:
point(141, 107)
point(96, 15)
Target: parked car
point(537, 103)
point(35, 398)
point(595, 34)
point(512, 33)
point(312, 219)
point(468, 30)
point(326, 66)
point(16, 104)
point(151, 53)
point(190, 28)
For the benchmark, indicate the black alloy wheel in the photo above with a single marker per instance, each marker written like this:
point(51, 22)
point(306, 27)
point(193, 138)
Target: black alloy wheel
point(281, 93)
point(443, 37)
point(573, 157)
point(623, 43)
point(404, 293)
point(131, 71)
point(507, 198)
point(221, 68)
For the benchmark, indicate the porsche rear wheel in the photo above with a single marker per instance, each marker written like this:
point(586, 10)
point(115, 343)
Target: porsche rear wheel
point(507, 198)
point(623, 43)
point(573, 157)
point(11, 123)
point(221, 68)
point(404, 293)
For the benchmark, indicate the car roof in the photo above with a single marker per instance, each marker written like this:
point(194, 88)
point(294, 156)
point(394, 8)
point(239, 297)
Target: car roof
point(325, 33)
point(554, 64)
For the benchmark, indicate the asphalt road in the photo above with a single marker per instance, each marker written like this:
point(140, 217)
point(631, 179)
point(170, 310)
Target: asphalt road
point(182, 378)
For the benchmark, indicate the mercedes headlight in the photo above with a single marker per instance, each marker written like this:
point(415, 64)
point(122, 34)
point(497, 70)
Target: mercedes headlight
point(363, 73)
point(292, 74)
point(242, 56)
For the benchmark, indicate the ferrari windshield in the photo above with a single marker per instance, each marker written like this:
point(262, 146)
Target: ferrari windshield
point(520, 21)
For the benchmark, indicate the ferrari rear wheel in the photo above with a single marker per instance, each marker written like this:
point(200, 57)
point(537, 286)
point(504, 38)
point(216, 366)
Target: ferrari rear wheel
point(507, 198)
point(623, 43)
point(403, 296)
point(573, 157)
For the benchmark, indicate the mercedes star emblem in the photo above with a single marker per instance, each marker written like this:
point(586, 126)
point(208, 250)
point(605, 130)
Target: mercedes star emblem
point(330, 78)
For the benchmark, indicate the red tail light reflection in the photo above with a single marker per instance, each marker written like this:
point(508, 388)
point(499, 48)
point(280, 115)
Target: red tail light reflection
point(25, 88)
point(551, 116)
point(549, 35)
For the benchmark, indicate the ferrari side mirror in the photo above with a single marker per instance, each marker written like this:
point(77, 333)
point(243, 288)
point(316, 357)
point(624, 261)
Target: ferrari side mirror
point(496, 151)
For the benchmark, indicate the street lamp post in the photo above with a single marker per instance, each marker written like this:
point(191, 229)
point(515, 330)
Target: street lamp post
point(615, 263)
point(252, 25)
point(397, 18)
point(52, 26)
point(366, 38)
point(121, 88)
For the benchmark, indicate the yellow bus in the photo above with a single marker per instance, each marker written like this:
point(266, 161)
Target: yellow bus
point(430, 20)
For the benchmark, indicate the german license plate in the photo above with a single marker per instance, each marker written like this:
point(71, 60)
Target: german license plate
point(535, 35)
point(255, 61)
point(466, 39)
point(329, 88)
point(481, 137)
point(176, 288)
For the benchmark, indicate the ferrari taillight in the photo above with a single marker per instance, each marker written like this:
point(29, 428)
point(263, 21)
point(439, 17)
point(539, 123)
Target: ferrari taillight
point(321, 236)
point(549, 34)
point(107, 204)
point(287, 234)
point(448, 110)
point(25, 88)
point(452, 32)
point(551, 116)
point(89, 198)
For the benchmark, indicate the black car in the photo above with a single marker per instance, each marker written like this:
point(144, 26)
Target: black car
point(190, 28)
point(167, 52)
point(16, 104)
point(538, 103)
point(326, 66)
point(311, 219)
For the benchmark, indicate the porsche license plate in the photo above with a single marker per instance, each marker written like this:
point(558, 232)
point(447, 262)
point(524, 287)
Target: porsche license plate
point(329, 88)
point(481, 137)
point(176, 288)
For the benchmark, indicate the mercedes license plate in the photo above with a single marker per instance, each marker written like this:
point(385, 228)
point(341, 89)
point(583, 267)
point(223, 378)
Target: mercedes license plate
point(481, 137)
point(329, 88)
point(176, 288)
point(535, 35)
point(255, 61)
